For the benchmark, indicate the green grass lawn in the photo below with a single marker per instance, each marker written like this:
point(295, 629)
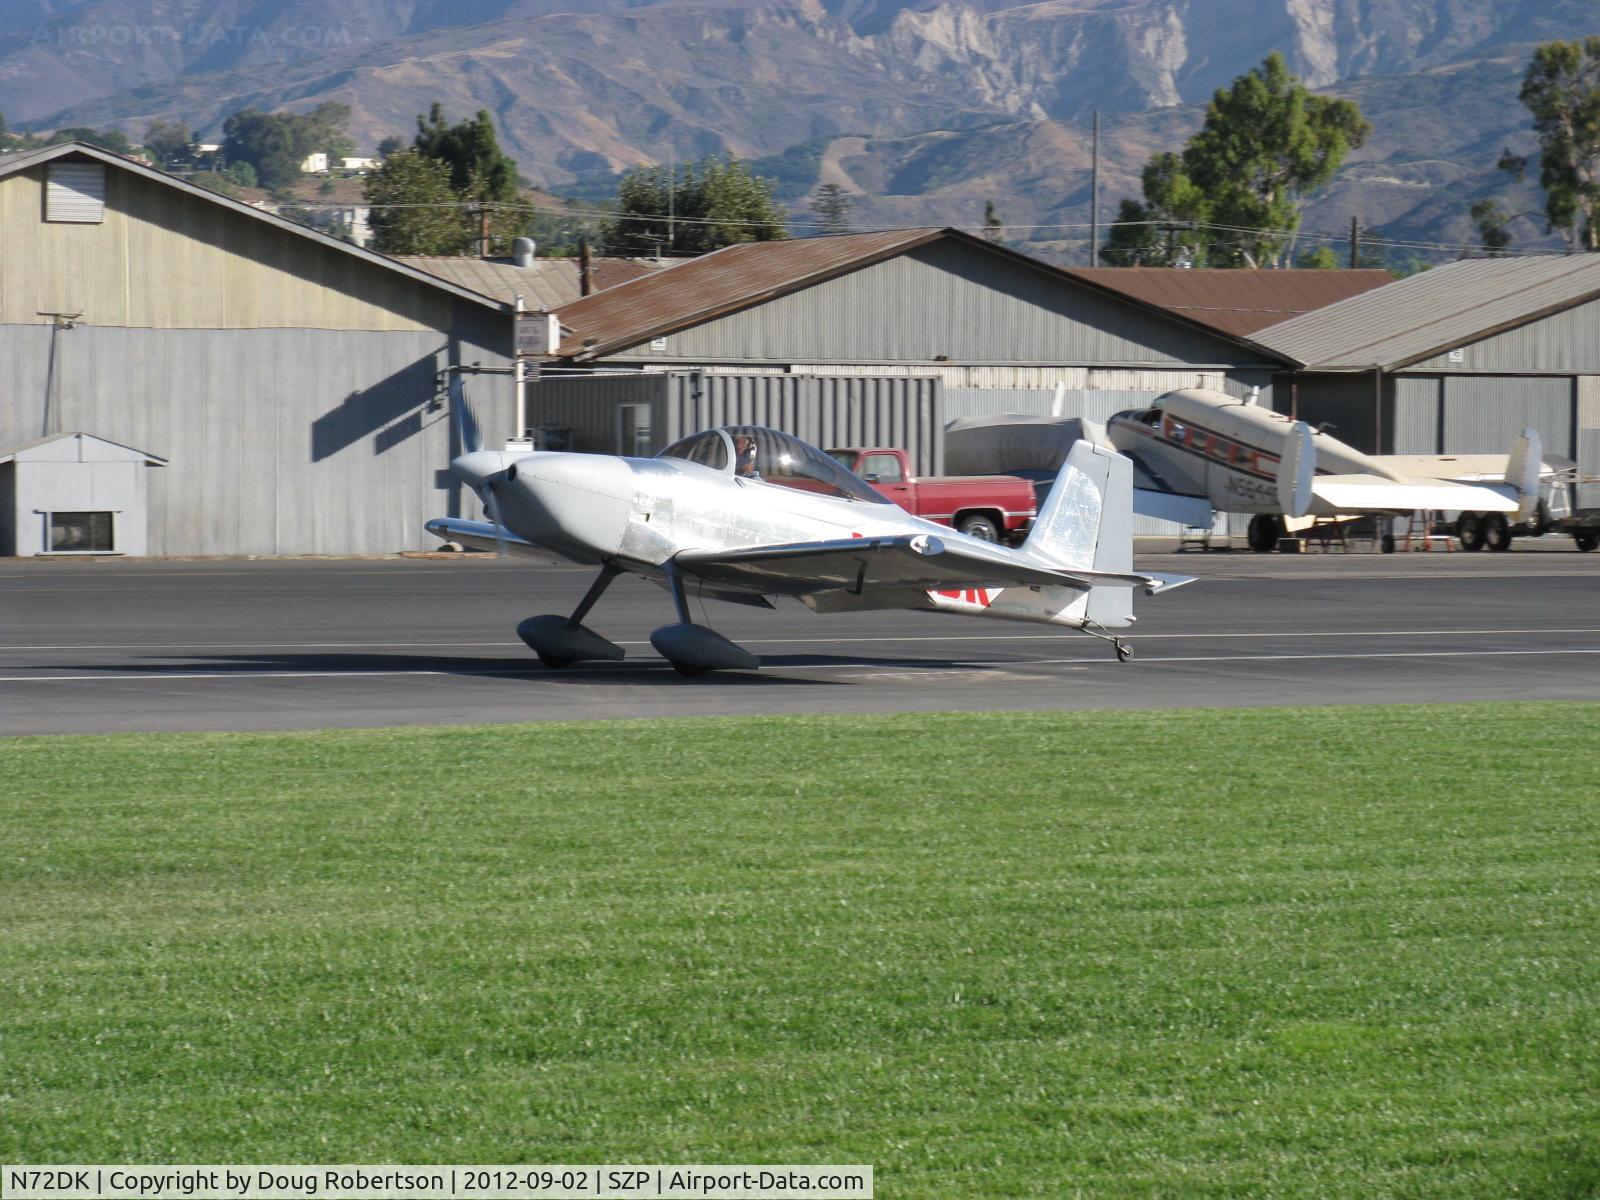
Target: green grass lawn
point(1332, 952)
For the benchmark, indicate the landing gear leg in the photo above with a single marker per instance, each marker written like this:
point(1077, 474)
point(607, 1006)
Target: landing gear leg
point(693, 649)
point(561, 641)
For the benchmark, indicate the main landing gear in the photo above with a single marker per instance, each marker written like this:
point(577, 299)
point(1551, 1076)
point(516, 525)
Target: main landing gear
point(692, 649)
point(561, 641)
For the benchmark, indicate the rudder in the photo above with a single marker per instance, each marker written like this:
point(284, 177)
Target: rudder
point(1087, 522)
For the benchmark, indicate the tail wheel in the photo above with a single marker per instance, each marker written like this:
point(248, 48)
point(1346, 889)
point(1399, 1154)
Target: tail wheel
point(1587, 539)
point(1539, 522)
point(1264, 532)
point(555, 662)
point(1469, 531)
point(979, 527)
point(1497, 532)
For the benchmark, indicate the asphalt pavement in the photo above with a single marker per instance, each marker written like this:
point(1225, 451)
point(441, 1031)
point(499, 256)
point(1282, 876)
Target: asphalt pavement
point(121, 645)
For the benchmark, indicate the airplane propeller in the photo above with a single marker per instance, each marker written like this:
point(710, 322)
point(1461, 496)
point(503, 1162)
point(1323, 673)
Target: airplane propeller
point(469, 437)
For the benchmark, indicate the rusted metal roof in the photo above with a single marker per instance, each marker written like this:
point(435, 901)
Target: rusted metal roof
point(1234, 302)
point(1433, 311)
point(549, 283)
point(721, 282)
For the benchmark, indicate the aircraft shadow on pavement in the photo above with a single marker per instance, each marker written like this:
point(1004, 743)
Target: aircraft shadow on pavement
point(642, 670)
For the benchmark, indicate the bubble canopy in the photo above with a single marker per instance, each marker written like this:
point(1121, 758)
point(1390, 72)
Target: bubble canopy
point(764, 455)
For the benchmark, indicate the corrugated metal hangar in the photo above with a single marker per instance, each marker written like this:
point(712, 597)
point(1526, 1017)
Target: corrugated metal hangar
point(998, 329)
point(1457, 360)
point(290, 381)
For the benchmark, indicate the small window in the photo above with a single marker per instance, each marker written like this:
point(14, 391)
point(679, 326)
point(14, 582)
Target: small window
point(881, 468)
point(76, 193)
point(80, 533)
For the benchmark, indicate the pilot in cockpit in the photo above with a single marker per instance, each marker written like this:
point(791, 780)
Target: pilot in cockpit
point(744, 457)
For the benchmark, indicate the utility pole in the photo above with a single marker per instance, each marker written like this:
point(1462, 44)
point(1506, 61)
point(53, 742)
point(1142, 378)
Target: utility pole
point(672, 198)
point(1094, 194)
point(483, 231)
point(1355, 243)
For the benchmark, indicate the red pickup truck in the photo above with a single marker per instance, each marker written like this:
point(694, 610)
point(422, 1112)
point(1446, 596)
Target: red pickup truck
point(991, 507)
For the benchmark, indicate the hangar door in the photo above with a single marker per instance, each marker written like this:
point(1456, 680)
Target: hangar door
point(1484, 415)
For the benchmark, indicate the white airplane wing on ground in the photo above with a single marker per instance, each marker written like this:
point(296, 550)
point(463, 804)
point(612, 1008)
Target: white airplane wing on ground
point(1373, 493)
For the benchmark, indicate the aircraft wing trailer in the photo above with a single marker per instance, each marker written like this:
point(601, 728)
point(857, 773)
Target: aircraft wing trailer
point(744, 513)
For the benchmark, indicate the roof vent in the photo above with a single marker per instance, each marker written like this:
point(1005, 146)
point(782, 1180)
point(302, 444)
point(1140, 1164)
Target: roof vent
point(522, 252)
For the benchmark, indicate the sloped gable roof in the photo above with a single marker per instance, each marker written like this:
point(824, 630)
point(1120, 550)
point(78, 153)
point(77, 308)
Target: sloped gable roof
point(1433, 311)
point(15, 163)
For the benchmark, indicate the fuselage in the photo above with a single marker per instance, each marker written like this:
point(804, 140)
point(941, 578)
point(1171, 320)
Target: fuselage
point(638, 513)
point(1206, 444)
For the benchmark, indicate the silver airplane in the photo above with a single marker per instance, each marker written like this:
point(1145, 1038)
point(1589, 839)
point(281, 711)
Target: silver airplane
point(746, 514)
point(1196, 450)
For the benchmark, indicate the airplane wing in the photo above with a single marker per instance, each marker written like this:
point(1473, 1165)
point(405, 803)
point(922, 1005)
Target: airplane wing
point(1373, 493)
point(482, 535)
point(920, 561)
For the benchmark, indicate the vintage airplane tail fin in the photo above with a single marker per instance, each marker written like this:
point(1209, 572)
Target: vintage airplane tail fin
point(1522, 471)
point(1087, 522)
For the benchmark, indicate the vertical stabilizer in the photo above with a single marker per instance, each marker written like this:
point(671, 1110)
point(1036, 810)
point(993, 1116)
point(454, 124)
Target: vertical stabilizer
point(1295, 469)
point(1522, 471)
point(1087, 522)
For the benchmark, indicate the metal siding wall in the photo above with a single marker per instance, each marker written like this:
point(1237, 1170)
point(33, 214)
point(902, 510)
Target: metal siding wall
point(952, 301)
point(1484, 415)
point(1416, 415)
point(164, 259)
point(587, 405)
point(1562, 343)
point(1344, 402)
point(280, 441)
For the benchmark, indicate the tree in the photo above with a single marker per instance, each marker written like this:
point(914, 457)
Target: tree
point(275, 144)
point(481, 174)
point(1322, 258)
point(1562, 91)
point(710, 204)
point(391, 145)
point(993, 228)
point(1491, 220)
point(113, 140)
point(1265, 142)
point(168, 142)
point(832, 207)
point(414, 210)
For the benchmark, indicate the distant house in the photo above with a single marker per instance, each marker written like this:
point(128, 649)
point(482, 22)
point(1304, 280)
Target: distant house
point(294, 385)
point(357, 164)
point(315, 164)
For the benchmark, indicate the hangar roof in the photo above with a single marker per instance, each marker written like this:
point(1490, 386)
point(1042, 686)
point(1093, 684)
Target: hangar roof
point(1237, 302)
point(12, 164)
point(1232, 304)
point(1428, 313)
point(549, 283)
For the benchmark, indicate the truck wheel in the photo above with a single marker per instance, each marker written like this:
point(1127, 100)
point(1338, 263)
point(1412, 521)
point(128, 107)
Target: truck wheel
point(1469, 531)
point(1264, 532)
point(1587, 539)
point(1496, 532)
point(981, 528)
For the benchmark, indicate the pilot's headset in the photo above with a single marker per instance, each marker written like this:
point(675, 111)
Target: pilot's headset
point(747, 457)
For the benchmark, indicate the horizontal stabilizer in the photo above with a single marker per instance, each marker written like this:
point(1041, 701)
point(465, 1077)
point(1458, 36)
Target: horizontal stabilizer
point(1165, 506)
point(1371, 493)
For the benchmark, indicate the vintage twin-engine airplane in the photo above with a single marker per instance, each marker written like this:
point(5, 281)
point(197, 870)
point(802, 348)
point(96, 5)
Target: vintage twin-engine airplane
point(746, 513)
point(1210, 451)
